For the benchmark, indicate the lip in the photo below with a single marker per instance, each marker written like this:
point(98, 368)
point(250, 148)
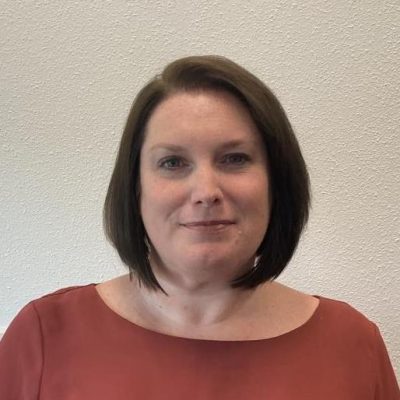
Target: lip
point(208, 226)
point(207, 223)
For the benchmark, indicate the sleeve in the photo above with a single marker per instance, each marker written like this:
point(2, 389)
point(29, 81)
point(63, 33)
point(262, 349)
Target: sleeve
point(21, 357)
point(386, 386)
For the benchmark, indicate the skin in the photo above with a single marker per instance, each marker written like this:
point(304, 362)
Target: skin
point(203, 160)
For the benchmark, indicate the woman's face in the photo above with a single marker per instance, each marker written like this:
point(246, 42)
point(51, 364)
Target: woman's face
point(204, 187)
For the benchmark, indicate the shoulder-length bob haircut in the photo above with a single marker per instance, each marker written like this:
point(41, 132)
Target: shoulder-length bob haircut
point(289, 180)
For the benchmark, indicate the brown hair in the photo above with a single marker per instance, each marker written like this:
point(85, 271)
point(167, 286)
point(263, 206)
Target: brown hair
point(289, 180)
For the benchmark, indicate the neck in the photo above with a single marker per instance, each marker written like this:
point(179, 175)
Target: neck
point(195, 305)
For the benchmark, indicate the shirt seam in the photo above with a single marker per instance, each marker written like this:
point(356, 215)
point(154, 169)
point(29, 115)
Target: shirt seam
point(42, 349)
point(64, 290)
point(374, 366)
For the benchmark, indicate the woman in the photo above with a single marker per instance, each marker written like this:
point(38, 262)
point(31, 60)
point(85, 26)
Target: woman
point(206, 204)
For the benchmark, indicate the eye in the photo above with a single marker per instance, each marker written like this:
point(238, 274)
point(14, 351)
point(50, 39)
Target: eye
point(236, 159)
point(171, 163)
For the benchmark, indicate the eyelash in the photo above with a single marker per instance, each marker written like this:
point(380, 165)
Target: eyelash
point(244, 159)
point(163, 163)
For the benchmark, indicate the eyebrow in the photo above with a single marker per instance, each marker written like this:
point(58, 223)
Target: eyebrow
point(224, 146)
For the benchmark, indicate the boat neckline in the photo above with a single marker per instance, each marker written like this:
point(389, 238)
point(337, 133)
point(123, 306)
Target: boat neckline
point(293, 332)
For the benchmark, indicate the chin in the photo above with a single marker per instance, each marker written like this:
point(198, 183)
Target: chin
point(214, 261)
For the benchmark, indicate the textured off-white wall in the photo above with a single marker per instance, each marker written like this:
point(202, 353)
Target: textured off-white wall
point(69, 71)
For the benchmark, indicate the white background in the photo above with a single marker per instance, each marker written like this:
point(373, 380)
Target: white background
point(70, 70)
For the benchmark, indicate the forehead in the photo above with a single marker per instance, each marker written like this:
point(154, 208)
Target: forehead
point(200, 116)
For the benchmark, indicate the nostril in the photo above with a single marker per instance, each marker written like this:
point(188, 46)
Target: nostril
point(210, 201)
point(207, 197)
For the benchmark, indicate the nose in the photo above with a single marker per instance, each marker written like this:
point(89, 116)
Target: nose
point(205, 187)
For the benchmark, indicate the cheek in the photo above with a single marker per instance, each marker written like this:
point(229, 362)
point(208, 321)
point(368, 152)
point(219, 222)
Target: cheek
point(255, 193)
point(256, 206)
point(159, 201)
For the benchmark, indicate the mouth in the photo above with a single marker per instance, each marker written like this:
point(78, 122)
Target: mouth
point(215, 225)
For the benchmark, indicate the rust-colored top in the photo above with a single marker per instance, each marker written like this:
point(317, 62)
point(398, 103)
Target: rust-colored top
point(71, 345)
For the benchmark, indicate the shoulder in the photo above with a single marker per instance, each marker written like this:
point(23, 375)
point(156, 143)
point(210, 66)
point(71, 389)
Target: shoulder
point(42, 324)
point(54, 315)
point(358, 340)
point(329, 319)
point(67, 294)
point(56, 299)
point(346, 329)
point(65, 304)
point(341, 315)
point(53, 307)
